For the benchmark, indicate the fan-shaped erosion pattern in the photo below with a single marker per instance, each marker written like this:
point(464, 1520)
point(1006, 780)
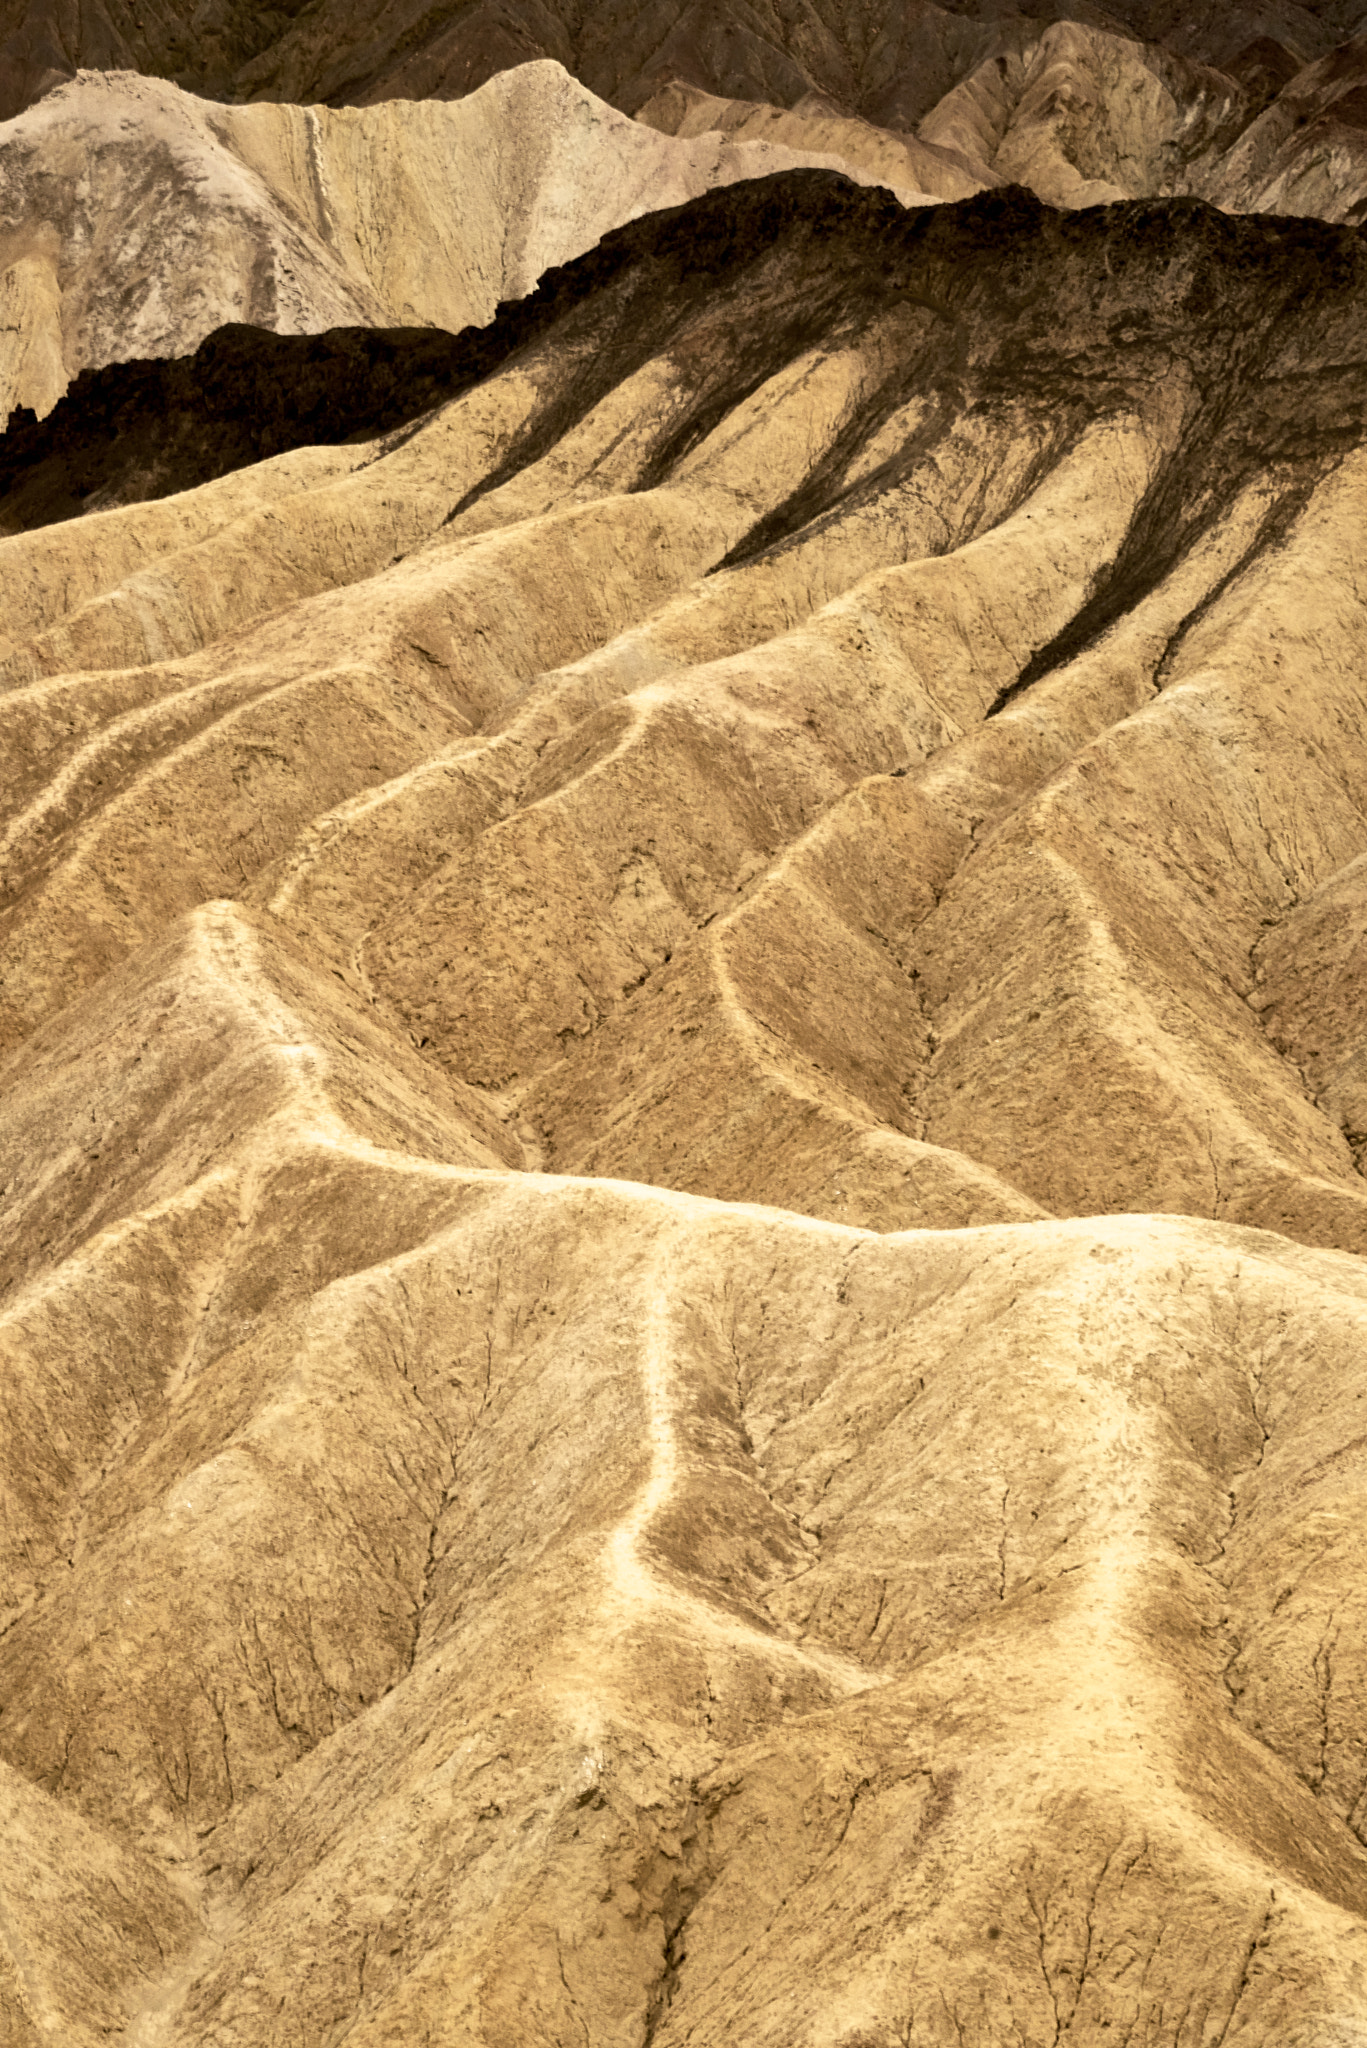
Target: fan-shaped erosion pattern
point(681, 1298)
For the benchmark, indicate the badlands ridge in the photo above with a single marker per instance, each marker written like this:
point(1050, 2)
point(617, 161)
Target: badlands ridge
point(420, 206)
point(683, 1103)
point(300, 219)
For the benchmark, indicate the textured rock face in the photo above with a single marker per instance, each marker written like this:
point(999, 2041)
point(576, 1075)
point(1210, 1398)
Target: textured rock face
point(889, 60)
point(418, 211)
point(301, 218)
point(1307, 153)
point(681, 1293)
point(902, 163)
point(1086, 116)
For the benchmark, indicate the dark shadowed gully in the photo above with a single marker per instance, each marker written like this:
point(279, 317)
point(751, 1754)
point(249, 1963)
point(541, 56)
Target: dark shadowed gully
point(1066, 316)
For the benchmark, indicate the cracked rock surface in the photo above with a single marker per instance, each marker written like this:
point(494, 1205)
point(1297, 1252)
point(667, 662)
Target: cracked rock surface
point(682, 1315)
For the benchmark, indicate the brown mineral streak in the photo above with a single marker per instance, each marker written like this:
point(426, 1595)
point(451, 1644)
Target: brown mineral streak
point(683, 1332)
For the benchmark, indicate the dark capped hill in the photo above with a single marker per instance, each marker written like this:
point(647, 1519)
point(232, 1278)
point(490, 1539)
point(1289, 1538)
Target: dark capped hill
point(922, 381)
point(1069, 315)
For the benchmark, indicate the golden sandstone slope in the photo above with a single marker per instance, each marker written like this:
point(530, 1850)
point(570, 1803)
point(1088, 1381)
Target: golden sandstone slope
point(683, 1311)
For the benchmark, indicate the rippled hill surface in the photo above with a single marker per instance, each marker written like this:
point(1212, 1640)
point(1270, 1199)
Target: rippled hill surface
point(681, 1135)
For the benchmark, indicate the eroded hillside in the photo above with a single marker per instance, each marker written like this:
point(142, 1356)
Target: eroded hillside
point(775, 640)
point(298, 219)
point(463, 159)
point(887, 60)
point(596, 962)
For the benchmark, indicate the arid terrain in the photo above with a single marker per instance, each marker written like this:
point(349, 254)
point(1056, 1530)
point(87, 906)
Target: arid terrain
point(301, 219)
point(415, 179)
point(683, 1029)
